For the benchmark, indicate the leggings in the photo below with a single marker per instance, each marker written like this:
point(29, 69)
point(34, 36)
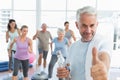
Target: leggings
point(11, 60)
point(25, 65)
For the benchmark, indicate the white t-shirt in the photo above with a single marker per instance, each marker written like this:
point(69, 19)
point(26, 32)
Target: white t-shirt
point(77, 56)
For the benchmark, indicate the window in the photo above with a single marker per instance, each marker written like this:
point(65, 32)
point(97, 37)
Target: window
point(107, 5)
point(53, 19)
point(75, 4)
point(25, 4)
point(26, 18)
point(5, 4)
point(53, 4)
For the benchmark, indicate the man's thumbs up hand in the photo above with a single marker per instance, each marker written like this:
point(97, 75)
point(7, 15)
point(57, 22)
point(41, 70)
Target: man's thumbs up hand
point(98, 69)
point(95, 58)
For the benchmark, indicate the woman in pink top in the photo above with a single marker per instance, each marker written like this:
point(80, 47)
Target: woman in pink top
point(23, 47)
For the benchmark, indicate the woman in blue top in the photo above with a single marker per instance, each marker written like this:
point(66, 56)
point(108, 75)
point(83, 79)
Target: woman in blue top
point(61, 44)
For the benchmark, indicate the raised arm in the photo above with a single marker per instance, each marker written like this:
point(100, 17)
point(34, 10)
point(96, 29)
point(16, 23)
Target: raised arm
point(35, 36)
point(19, 31)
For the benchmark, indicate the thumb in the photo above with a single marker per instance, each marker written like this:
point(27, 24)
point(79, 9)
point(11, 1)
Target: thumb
point(94, 56)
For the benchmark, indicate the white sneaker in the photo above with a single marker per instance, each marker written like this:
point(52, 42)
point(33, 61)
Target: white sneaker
point(50, 79)
point(20, 75)
point(10, 74)
point(38, 71)
point(45, 70)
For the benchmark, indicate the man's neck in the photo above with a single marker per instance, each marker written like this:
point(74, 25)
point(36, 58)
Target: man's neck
point(83, 40)
point(44, 30)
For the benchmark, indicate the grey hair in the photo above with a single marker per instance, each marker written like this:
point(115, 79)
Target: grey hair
point(44, 24)
point(60, 30)
point(86, 10)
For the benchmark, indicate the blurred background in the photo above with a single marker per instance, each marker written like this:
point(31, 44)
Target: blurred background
point(54, 13)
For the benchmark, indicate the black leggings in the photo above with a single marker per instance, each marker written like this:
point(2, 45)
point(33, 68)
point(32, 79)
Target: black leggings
point(25, 66)
point(11, 60)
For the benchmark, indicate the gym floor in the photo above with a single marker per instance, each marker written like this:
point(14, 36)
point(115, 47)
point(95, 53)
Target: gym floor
point(114, 74)
point(5, 74)
point(31, 72)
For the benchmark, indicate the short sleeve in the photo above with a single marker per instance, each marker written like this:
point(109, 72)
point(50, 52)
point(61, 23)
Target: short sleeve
point(54, 40)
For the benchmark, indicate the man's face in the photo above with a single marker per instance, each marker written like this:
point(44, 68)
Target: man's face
point(44, 27)
point(87, 26)
point(67, 25)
